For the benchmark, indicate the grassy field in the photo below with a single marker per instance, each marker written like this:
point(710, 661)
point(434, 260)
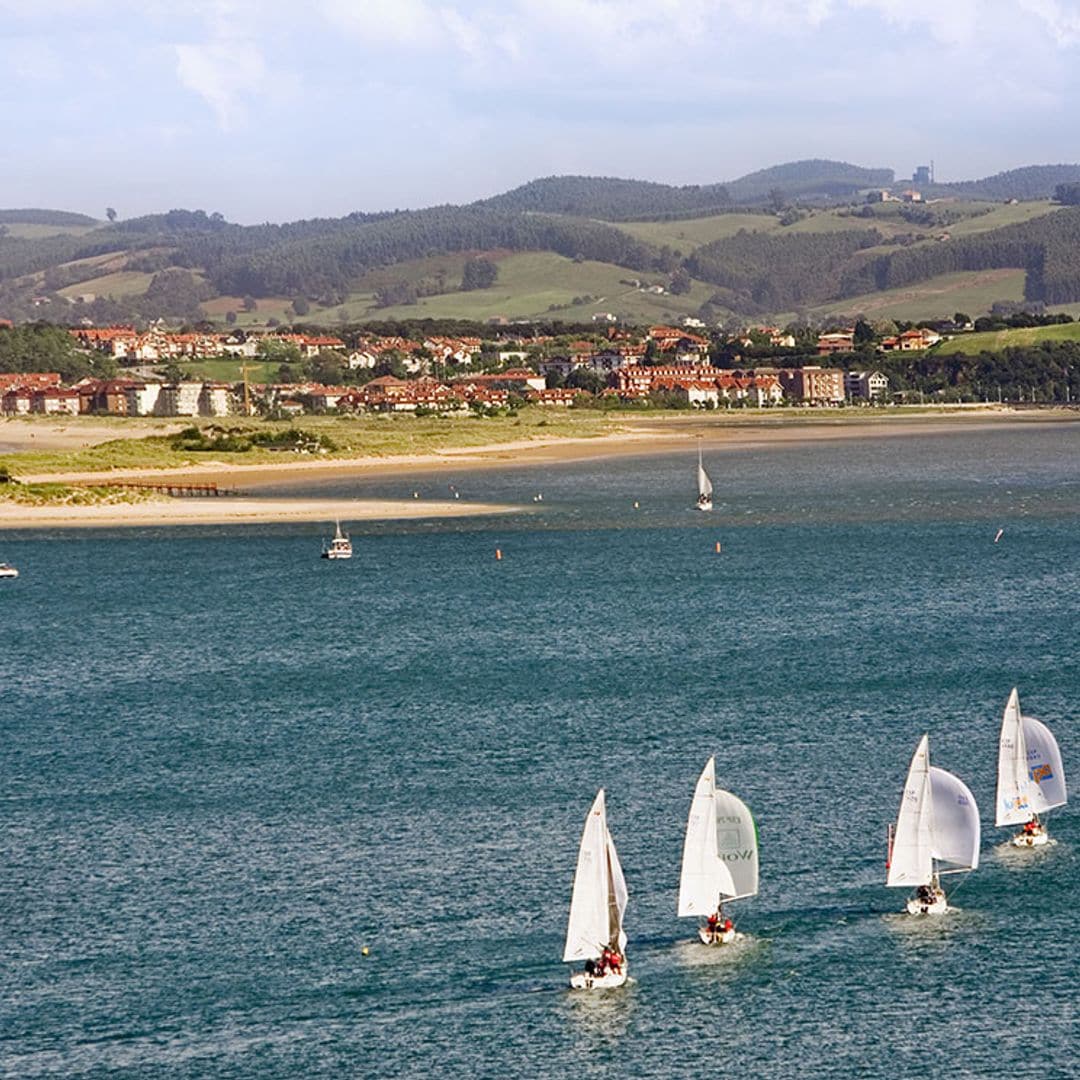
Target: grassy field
point(40, 232)
point(119, 283)
point(971, 292)
point(536, 285)
point(355, 437)
point(228, 370)
point(995, 340)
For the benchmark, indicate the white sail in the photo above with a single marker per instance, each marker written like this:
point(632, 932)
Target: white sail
point(954, 822)
point(704, 484)
point(1045, 771)
point(1012, 806)
point(704, 876)
point(617, 897)
point(737, 844)
point(1031, 777)
point(911, 861)
point(599, 898)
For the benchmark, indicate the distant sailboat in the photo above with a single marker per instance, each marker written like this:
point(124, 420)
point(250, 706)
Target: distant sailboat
point(1031, 778)
point(720, 858)
point(704, 485)
point(595, 932)
point(937, 832)
point(340, 547)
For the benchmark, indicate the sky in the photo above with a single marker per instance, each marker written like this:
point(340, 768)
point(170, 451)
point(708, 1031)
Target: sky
point(266, 110)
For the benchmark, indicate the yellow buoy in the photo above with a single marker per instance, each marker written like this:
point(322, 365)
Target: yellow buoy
point(365, 951)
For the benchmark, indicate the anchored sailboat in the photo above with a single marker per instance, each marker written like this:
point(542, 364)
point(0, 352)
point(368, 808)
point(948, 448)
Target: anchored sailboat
point(595, 932)
point(937, 832)
point(1031, 778)
point(704, 485)
point(340, 547)
point(720, 858)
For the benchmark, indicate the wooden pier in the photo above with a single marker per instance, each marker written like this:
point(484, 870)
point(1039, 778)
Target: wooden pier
point(176, 490)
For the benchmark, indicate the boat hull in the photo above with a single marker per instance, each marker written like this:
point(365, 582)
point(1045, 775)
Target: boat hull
point(724, 937)
point(704, 506)
point(336, 555)
point(8, 572)
point(938, 906)
point(582, 980)
point(1023, 840)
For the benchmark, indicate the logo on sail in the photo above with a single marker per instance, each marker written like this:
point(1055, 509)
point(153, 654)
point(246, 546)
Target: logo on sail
point(1043, 772)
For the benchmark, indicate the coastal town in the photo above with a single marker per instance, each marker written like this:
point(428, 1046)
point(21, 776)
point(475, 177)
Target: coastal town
point(665, 366)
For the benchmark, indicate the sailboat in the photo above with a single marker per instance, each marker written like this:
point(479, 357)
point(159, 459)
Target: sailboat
point(1031, 779)
point(720, 858)
point(340, 547)
point(8, 571)
point(936, 833)
point(704, 485)
point(595, 932)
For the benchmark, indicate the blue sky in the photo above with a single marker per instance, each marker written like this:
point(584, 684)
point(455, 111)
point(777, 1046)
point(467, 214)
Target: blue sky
point(275, 111)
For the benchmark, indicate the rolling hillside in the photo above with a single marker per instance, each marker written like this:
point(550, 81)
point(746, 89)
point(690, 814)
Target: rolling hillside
point(569, 247)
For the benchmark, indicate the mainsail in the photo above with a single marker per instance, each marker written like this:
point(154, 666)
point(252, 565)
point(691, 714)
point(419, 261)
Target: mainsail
point(704, 484)
point(1031, 778)
point(720, 853)
point(911, 861)
point(599, 898)
point(938, 823)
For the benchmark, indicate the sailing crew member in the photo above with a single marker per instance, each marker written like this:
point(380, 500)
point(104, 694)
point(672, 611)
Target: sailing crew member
point(712, 924)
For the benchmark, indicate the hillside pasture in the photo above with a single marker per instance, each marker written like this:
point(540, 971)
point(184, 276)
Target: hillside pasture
point(536, 285)
point(972, 292)
point(118, 283)
point(997, 340)
point(40, 232)
point(689, 233)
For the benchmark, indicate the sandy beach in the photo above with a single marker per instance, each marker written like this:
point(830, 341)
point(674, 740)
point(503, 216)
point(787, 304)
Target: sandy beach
point(666, 433)
point(228, 511)
point(657, 434)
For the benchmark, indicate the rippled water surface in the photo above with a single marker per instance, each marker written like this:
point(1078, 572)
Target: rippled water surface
point(229, 766)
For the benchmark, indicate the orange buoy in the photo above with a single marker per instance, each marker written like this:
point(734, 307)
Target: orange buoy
point(717, 547)
point(498, 554)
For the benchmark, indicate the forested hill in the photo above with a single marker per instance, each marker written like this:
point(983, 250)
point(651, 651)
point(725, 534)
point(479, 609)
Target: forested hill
point(610, 198)
point(614, 199)
point(34, 216)
point(1030, 182)
point(813, 179)
point(703, 250)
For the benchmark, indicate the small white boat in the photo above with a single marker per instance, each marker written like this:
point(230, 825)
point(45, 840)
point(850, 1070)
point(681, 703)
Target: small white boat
point(1031, 777)
point(936, 833)
point(704, 485)
point(8, 571)
point(720, 858)
point(340, 547)
point(594, 932)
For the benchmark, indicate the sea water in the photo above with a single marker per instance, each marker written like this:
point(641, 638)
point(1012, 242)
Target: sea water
point(228, 767)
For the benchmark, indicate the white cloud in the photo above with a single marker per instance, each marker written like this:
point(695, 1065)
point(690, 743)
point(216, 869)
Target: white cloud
point(1064, 26)
point(222, 72)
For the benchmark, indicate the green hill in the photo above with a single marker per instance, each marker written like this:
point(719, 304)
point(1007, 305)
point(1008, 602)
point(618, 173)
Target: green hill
point(1030, 182)
point(576, 245)
point(812, 179)
point(610, 198)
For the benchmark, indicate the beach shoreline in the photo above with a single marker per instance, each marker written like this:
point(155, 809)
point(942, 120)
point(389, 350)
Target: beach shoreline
point(238, 511)
point(669, 433)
